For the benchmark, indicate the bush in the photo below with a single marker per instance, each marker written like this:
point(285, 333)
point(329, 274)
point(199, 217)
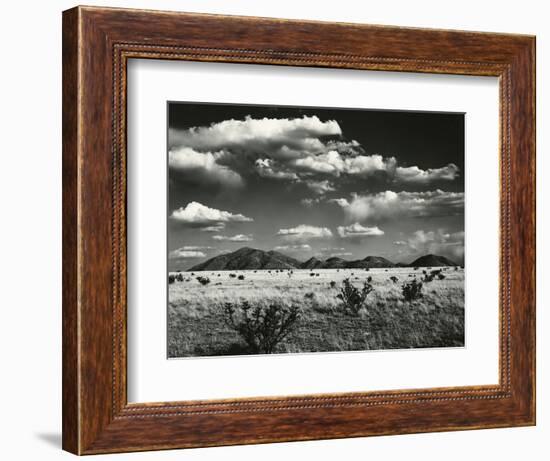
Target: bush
point(232, 275)
point(332, 284)
point(262, 328)
point(241, 277)
point(171, 279)
point(352, 298)
point(441, 276)
point(179, 277)
point(203, 280)
point(412, 290)
point(394, 279)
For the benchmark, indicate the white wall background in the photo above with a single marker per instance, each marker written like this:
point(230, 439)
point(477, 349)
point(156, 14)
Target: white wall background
point(30, 229)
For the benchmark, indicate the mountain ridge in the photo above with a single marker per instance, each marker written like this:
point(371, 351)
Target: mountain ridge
point(247, 258)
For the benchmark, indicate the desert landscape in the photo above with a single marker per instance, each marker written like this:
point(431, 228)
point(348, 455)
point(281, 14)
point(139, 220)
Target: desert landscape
point(328, 306)
point(303, 229)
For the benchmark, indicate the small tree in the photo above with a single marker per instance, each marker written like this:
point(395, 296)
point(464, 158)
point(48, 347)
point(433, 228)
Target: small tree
point(412, 290)
point(394, 279)
point(262, 328)
point(352, 298)
point(241, 277)
point(171, 279)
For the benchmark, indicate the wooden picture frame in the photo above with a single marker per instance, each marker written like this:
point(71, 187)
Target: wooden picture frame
point(97, 43)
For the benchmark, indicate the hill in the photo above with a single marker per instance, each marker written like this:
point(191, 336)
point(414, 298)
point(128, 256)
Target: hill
point(312, 263)
point(253, 259)
point(248, 259)
point(432, 261)
point(372, 261)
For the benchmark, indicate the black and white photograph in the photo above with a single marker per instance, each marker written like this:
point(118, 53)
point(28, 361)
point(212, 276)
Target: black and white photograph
point(313, 229)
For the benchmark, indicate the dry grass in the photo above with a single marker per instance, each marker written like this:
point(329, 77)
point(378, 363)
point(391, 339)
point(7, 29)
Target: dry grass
point(196, 325)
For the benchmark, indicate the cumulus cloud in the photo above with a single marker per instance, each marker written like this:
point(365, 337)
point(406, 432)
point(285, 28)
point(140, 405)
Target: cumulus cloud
point(438, 242)
point(390, 204)
point(305, 232)
point(203, 167)
point(198, 215)
point(320, 187)
point(415, 175)
point(357, 231)
point(182, 253)
point(234, 238)
point(293, 248)
point(295, 150)
point(280, 137)
point(335, 164)
point(265, 169)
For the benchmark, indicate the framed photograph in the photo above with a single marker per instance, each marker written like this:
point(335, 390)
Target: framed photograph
point(281, 230)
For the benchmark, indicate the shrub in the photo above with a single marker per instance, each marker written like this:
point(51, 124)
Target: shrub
point(352, 298)
point(412, 290)
point(441, 276)
point(394, 279)
point(171, 279)
point(232, 275)
point(241, 277)
point(179, 277)
point(415, 268)
point(369, 279)
point(203, 280)
point(262, 328)
point(309, 295)
point(332, 284)
point(367, 269)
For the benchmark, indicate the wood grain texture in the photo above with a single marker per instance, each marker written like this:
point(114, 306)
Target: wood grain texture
point(97, 43)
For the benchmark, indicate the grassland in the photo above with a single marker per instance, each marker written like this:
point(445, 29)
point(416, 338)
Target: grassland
point(196, 325)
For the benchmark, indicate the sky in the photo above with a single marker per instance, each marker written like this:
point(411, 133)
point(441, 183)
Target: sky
point(309, 181)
